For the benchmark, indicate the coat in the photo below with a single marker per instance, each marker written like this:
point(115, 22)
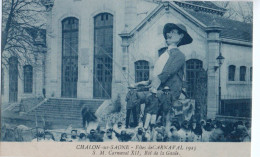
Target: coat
point(152, 105)
point(173, 72)
point(166, 101)
point(131, 99)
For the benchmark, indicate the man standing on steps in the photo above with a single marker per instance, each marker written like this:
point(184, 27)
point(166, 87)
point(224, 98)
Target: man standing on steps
point(132, 102)
point(87, 116)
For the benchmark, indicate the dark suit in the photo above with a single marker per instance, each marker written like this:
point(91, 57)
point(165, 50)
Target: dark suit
point(132, 103)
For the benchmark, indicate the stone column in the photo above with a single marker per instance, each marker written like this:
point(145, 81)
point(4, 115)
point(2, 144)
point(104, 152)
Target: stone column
point(49, 70)
point(213, 33)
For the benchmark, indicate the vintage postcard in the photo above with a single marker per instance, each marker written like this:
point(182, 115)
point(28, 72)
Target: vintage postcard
point(126, 78)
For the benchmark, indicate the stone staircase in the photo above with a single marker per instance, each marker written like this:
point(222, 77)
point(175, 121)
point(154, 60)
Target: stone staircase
point(62, 111)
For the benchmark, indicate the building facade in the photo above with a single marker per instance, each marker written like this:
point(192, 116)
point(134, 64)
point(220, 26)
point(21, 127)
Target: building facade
point(96, 48)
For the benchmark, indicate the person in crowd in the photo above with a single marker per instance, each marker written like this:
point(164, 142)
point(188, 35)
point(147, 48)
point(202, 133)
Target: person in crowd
point(197, 131)
point(173, 136)
point(149, 135)
point(202, 123)
point(82, 137)
point(74, 136)
point(217, 134)
point(131, 105)
point(207, 130)
point(166, 102)
point(117, 129)
point(124, 136)
point(63, 137)
point(39, 136)
point(176, 124)
point(185, 132)
point(92, 136)
point(159, 128)
point(248, 127)
point(151, 109)
point(228, 129)
point(140, 136)
point(18, 134)
point(48, 137)
point(109, 137)
point(100, 135)
point(87, 116)
point(239, 133)
point(243, 134)
point(159, 137)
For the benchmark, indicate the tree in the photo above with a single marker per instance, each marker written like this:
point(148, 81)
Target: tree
point(23, 23)
point(241, 11)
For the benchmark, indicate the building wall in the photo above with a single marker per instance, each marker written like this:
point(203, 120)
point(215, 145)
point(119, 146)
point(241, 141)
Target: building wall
point(37, 80)
point(144, 45)
point(149, 40)
point(237, 55)
point(85, 11)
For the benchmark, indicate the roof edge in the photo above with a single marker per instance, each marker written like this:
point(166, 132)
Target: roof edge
point(236, 42)
point(217, 10)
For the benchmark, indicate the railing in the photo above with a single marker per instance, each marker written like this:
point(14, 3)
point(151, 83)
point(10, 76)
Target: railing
point(235, 106)
point(39, 104)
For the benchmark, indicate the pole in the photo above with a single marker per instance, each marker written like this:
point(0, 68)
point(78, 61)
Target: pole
point(219, 82)
point(219, 92)
point(128, 65)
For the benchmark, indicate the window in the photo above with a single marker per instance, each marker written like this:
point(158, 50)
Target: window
point(103, 55)
point(242, 73)
point(251, 74)
point(13, 79)
point(70, 31)
point(193, 69)
point(28, 78)
point(231, 73)
point(2, 81)
point(141, 71)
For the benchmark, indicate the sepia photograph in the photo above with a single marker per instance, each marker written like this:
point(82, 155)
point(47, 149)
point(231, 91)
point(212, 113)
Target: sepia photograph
point(126, 71)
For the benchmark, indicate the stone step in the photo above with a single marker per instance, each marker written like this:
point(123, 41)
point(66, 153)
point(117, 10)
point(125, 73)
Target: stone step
point(63, 110)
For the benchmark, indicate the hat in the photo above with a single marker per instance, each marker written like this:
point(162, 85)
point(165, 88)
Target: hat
point(92, 131)
point(153, 91)
point(166, 88)
point(131, 86)
point(182, 29)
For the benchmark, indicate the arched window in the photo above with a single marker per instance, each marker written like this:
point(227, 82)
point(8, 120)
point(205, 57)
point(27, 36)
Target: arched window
point(103, 55)
point(13, 79)
point(28, 78)
point(231, 72)
point(69, 74)
point(251, 73)
point(242, 73)
point(141, 70)
point(193, 68)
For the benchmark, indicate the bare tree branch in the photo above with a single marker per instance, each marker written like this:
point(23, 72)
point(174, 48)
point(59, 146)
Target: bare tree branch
point(21, 22)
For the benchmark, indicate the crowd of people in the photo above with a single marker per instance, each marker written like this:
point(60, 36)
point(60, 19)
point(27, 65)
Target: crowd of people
point(187, 131)
point(161, 120)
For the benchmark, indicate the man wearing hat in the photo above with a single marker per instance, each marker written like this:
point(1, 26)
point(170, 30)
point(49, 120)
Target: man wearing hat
point(169, 68)
point(151, 109)
point(166, 101)
point(132, 102)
